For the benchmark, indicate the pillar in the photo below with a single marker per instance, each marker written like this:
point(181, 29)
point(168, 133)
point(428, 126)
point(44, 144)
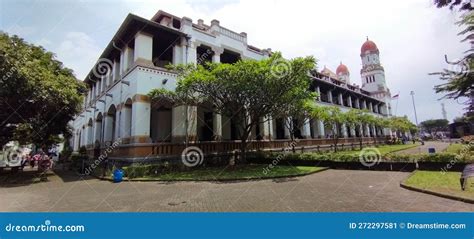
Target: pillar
point(321, 132)
point(318, 91)
point(217, 126)
point(340, 99)
point(143, 51)
point(181, 116)
point(330, 96)
point(306, 130)
point(141, 122)
point(349, 101)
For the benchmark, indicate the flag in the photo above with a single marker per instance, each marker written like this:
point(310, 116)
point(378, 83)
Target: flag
point(395, 96)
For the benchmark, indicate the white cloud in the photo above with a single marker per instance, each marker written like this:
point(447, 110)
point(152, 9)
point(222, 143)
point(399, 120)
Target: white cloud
point(78, 51)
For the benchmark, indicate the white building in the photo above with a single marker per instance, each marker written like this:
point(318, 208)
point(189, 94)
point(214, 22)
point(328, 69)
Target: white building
point(117, 108)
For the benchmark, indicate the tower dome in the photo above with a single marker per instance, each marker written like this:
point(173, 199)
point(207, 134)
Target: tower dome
point(368, 46)
point(342, 69)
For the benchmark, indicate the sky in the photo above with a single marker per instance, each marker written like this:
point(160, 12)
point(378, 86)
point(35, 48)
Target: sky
point(412, 35)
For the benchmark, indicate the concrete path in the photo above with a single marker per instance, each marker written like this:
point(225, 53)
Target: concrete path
point(331, 190)
point(439, 147)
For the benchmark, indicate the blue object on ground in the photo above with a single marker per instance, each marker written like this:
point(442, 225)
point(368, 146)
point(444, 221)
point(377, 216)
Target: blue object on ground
point(118, 175)
point(431, 150)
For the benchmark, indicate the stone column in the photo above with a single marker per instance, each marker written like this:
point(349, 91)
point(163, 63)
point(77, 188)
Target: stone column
point(321, 132)
point(357, 103)
point(217, 126)
point(143, 52)
point(286, 134)
point(141, 111)
point(267, 129)
point(216, 57)
point(318, 91)
point(182, 116)
point(306, 130)
point(330, 96)
point(371, 107)
point(340, 99)
point(127, 59)
point(349, 101)
point(353, 131)
point(344, 130)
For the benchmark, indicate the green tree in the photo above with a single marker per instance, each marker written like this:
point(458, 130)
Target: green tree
point(296, 116)
point(333, 118)
point(433, 126)
point(248, 91)
point(38, 95)
point(459, 80)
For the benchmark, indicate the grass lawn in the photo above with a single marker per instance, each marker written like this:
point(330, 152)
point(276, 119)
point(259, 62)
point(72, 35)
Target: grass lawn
point(237, 173)
point(384, 149)
point(444, 183)
point(455, 148)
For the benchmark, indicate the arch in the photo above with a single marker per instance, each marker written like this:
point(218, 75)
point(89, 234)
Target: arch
point(126, 112)
point(110, 124)
point(98, 128)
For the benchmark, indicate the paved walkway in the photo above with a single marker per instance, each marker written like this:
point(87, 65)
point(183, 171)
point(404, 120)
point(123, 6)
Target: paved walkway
point(439, 147)
point(331, 190)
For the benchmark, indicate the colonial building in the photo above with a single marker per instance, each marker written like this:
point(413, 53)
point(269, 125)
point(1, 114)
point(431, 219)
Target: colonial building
point(117, 111)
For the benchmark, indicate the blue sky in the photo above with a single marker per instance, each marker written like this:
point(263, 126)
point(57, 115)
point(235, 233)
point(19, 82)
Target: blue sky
point(412, 35)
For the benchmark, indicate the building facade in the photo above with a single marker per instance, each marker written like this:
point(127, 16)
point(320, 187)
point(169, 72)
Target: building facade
point(118, 113)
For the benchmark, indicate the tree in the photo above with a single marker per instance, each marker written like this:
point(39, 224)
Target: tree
point(433, 126)
point(332, 117)
point(402, 124)
point(357, 118)
point(248, 91)
point(38, 95)
point(296, 116)
point(459, 81)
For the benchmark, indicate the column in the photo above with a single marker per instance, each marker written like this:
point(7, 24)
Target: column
point(143, 52)
point(140, 121)
point(318, 91)
point(357, 103)
point(217, 126)
point(183, 116)
point(285, 128)
point(306, 130)
point(267, 129)
point(367, 129)
point(330, 96)
point(371, 109)
point(349, 101)
point(344, 130)
point(364, 104)
point(321, 132)
point(116, 71)
point(353, 131)
point(340, 99)
point(216, 57)
point(126, 58)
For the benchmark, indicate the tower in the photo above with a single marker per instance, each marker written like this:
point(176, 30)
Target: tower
point(342, 73)
point(373, 74)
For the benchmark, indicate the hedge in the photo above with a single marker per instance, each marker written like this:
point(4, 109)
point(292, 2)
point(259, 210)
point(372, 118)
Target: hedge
point(435, 158)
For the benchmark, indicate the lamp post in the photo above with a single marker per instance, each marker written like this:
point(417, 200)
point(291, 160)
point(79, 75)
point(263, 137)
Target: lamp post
point(412, 93)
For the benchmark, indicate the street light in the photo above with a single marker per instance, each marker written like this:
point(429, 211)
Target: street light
point(412, 93)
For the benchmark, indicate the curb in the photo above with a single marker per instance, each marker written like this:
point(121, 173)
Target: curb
point(217, 180)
